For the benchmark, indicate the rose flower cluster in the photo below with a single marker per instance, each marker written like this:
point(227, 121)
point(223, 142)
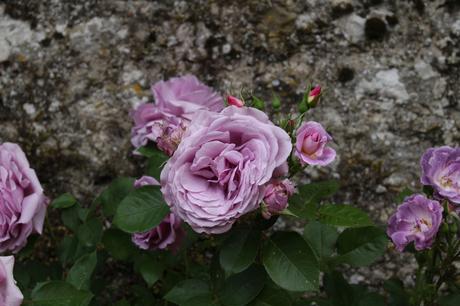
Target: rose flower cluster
point(225, 160)
point(419, 218)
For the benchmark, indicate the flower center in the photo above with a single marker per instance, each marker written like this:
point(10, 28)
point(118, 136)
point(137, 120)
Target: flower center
point(311, 144)
point(422, 225)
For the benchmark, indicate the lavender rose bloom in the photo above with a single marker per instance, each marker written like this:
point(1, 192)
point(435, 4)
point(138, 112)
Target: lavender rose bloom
point(10, 295)
point(22, 202)
point(441, 170)
point(417, 219)
point(167, 235)
point(311, 141)
point(183, 96)
point(220, 169)
point(150, 123)
point(276, 196)
point(165, 121)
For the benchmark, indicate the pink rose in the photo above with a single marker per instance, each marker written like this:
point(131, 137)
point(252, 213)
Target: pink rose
point(22, 202)
point(150, 124)
point(276, 196)
point(164, 121)
point(219, 171)
point(183, 96)
point(10, 295)
point(167, 235)
point(311, 144)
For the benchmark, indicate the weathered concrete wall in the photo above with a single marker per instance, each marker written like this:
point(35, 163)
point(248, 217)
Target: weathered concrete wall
point(70, 71)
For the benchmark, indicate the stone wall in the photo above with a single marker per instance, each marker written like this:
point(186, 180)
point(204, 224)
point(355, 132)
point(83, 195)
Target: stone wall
point(70, 71)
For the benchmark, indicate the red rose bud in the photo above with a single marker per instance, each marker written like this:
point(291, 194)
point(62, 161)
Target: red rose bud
point(314, 95)
point(231, 100)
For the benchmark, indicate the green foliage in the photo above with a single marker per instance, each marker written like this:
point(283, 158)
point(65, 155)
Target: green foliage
point(360, 246)
point(111, 197)
point(322, 239)
point(90, 233)
point(272, 296)
point(80, 273)
point(239, 250)
point(305, 203)
point(155, 163)
point(58, 293)
point(118, 244)
point(191, 292)
point(64, 201)
point(291, 262)
point(141, 210)
point(343, 215)
point(403, 194)
point(150, 267)
point(241, 288)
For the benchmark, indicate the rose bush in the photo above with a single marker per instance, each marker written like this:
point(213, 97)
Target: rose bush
point(234, 176)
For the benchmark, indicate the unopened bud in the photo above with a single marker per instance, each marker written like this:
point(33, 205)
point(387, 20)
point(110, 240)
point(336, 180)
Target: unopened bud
point(314, 95)
point(231, 100)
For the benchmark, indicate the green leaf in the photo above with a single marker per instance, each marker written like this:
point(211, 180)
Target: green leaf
point(239, 250)
point(150, 268)
point(70, 249)
point(65, 200)
point(403, 194)
point(191, 292)
point(343, 215)
point(272, 297)
point(304, 203)
point(360, 246)
point(291, 263)
point(397, 295)
point(59, 293)
point(90, 233)
point(69, 217)
point(149, 150)
point(321, 237)
point(118, 244)
point(143, 209)
point(111, 197)
point(258, 103)
point(80, 273)
point(338, 290)
point(242, 288)
point(155, 163)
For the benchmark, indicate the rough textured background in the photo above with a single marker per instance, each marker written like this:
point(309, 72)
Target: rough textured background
point(70, 71)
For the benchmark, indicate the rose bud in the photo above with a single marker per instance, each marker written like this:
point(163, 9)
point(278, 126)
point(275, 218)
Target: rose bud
point(167, 235)
point(276, 197)
point(10, 295)
point(416, 220)
point(314, 95)
point(311, 141)
point(441, 170)
point(231, 100)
